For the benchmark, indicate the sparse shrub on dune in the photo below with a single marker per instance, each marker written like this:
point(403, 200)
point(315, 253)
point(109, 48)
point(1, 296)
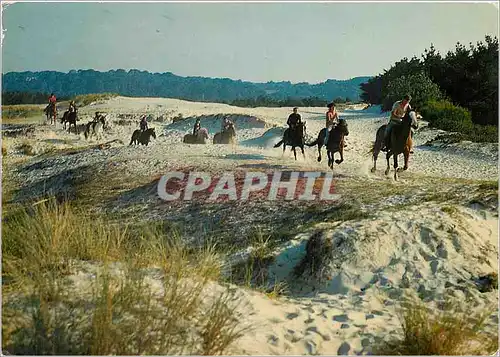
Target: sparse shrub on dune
point(119, 307)
point(452, 330)
point(27, 148)
point(315, 264)
point(86, 99)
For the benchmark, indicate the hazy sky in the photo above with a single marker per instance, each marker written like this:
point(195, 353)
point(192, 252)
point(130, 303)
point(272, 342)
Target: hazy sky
point(308, 42)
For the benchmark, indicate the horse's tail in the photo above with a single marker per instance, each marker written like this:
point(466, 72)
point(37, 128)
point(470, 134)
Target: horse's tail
point(278, 144)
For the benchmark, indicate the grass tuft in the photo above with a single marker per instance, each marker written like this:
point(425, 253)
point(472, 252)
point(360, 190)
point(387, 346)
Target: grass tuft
point(454, 330)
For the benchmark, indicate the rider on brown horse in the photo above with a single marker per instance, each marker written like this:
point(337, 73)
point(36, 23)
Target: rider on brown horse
point(398, 112)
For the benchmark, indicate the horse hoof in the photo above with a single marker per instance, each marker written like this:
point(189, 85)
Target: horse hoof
point(338, 161)
point(373, 169)
point(319, 159)
point(405, 168)
point(387, 172)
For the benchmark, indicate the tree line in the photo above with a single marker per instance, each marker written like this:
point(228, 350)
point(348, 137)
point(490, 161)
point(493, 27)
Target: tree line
point(457, 91)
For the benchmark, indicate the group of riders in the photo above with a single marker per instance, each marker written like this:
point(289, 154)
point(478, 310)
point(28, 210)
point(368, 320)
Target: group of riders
point(226, 123)
point(398, 111)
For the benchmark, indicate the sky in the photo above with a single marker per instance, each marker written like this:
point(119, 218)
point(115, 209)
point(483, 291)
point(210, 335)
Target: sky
point(297, 42)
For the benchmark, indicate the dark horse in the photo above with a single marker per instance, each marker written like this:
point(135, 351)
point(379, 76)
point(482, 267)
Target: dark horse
point(51, 111)
point(335, 142)
point(142, 137)
point(71, 118)
point(294, 138)
point(400, 142)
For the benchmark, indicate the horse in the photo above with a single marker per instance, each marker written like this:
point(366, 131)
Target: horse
point(95, 127)
point(227, 136)
point(51, 111)
point(335, 142)
point(71, 118)
point(294, 138)
point(142, 137)
point(400, 142)
point(201, 138)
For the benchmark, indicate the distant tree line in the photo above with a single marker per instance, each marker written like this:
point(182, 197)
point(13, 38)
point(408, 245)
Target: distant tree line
point(14, 98)
point(136, 83)
point(466, 78)
point(263, 101)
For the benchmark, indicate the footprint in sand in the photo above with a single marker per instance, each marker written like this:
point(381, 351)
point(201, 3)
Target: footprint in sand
point(315, 330)
point(344, 326)
point(273, 340)
point(377, 312)
point(341, 318)
point(292, 316)
point(344, 349)
point(310, 320)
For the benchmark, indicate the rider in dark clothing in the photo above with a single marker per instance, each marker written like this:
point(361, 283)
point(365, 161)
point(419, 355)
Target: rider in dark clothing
point(293, 119)
point(144, 124)
point(197, 126)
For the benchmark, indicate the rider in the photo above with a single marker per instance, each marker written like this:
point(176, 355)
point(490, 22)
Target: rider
point(294, 119)
point(144, 123)
point(72, 106)
point(226, 123)
point(52, 103)
point(398, 111)
point(332, 119)
point(197, 126)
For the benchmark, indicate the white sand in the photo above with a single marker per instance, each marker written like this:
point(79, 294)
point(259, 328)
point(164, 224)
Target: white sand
point(421, 247)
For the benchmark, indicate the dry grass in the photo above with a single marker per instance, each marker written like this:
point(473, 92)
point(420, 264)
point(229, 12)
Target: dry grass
point(21, 111)
point(86, 99)
point(140, 291)
point(454, 330)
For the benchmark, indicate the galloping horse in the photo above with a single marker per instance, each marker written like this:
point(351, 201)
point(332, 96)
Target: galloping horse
point(294, 138)
point(71, 118)
point(142, 137)
point(51, 111)
point(335, 142)
point(400, 142)
point(228, 136)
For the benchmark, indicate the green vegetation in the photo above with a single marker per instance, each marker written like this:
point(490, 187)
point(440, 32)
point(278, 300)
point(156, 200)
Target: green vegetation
point(454, 330)
point(116, 309)
point(20, 111)
point(86, 99)
point(459, 90)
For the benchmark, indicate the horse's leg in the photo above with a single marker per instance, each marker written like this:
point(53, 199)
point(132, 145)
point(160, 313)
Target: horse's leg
point(319, 150)
point(387, 156)
point(395, 167)
point(303, 152)
point(406, 153)
point(341, 150)
point(294, 152)
point(330, 158)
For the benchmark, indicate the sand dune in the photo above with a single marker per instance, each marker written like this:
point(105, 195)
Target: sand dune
point(408, 241)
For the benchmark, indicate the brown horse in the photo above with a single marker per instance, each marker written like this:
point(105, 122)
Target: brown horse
point(51, 111)
point(201, 138)
point(335, 142)
point(226, 137)
point(400, 142)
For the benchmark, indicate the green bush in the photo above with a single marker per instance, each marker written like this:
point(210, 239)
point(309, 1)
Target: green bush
point(446, 116)
point(419, 86)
